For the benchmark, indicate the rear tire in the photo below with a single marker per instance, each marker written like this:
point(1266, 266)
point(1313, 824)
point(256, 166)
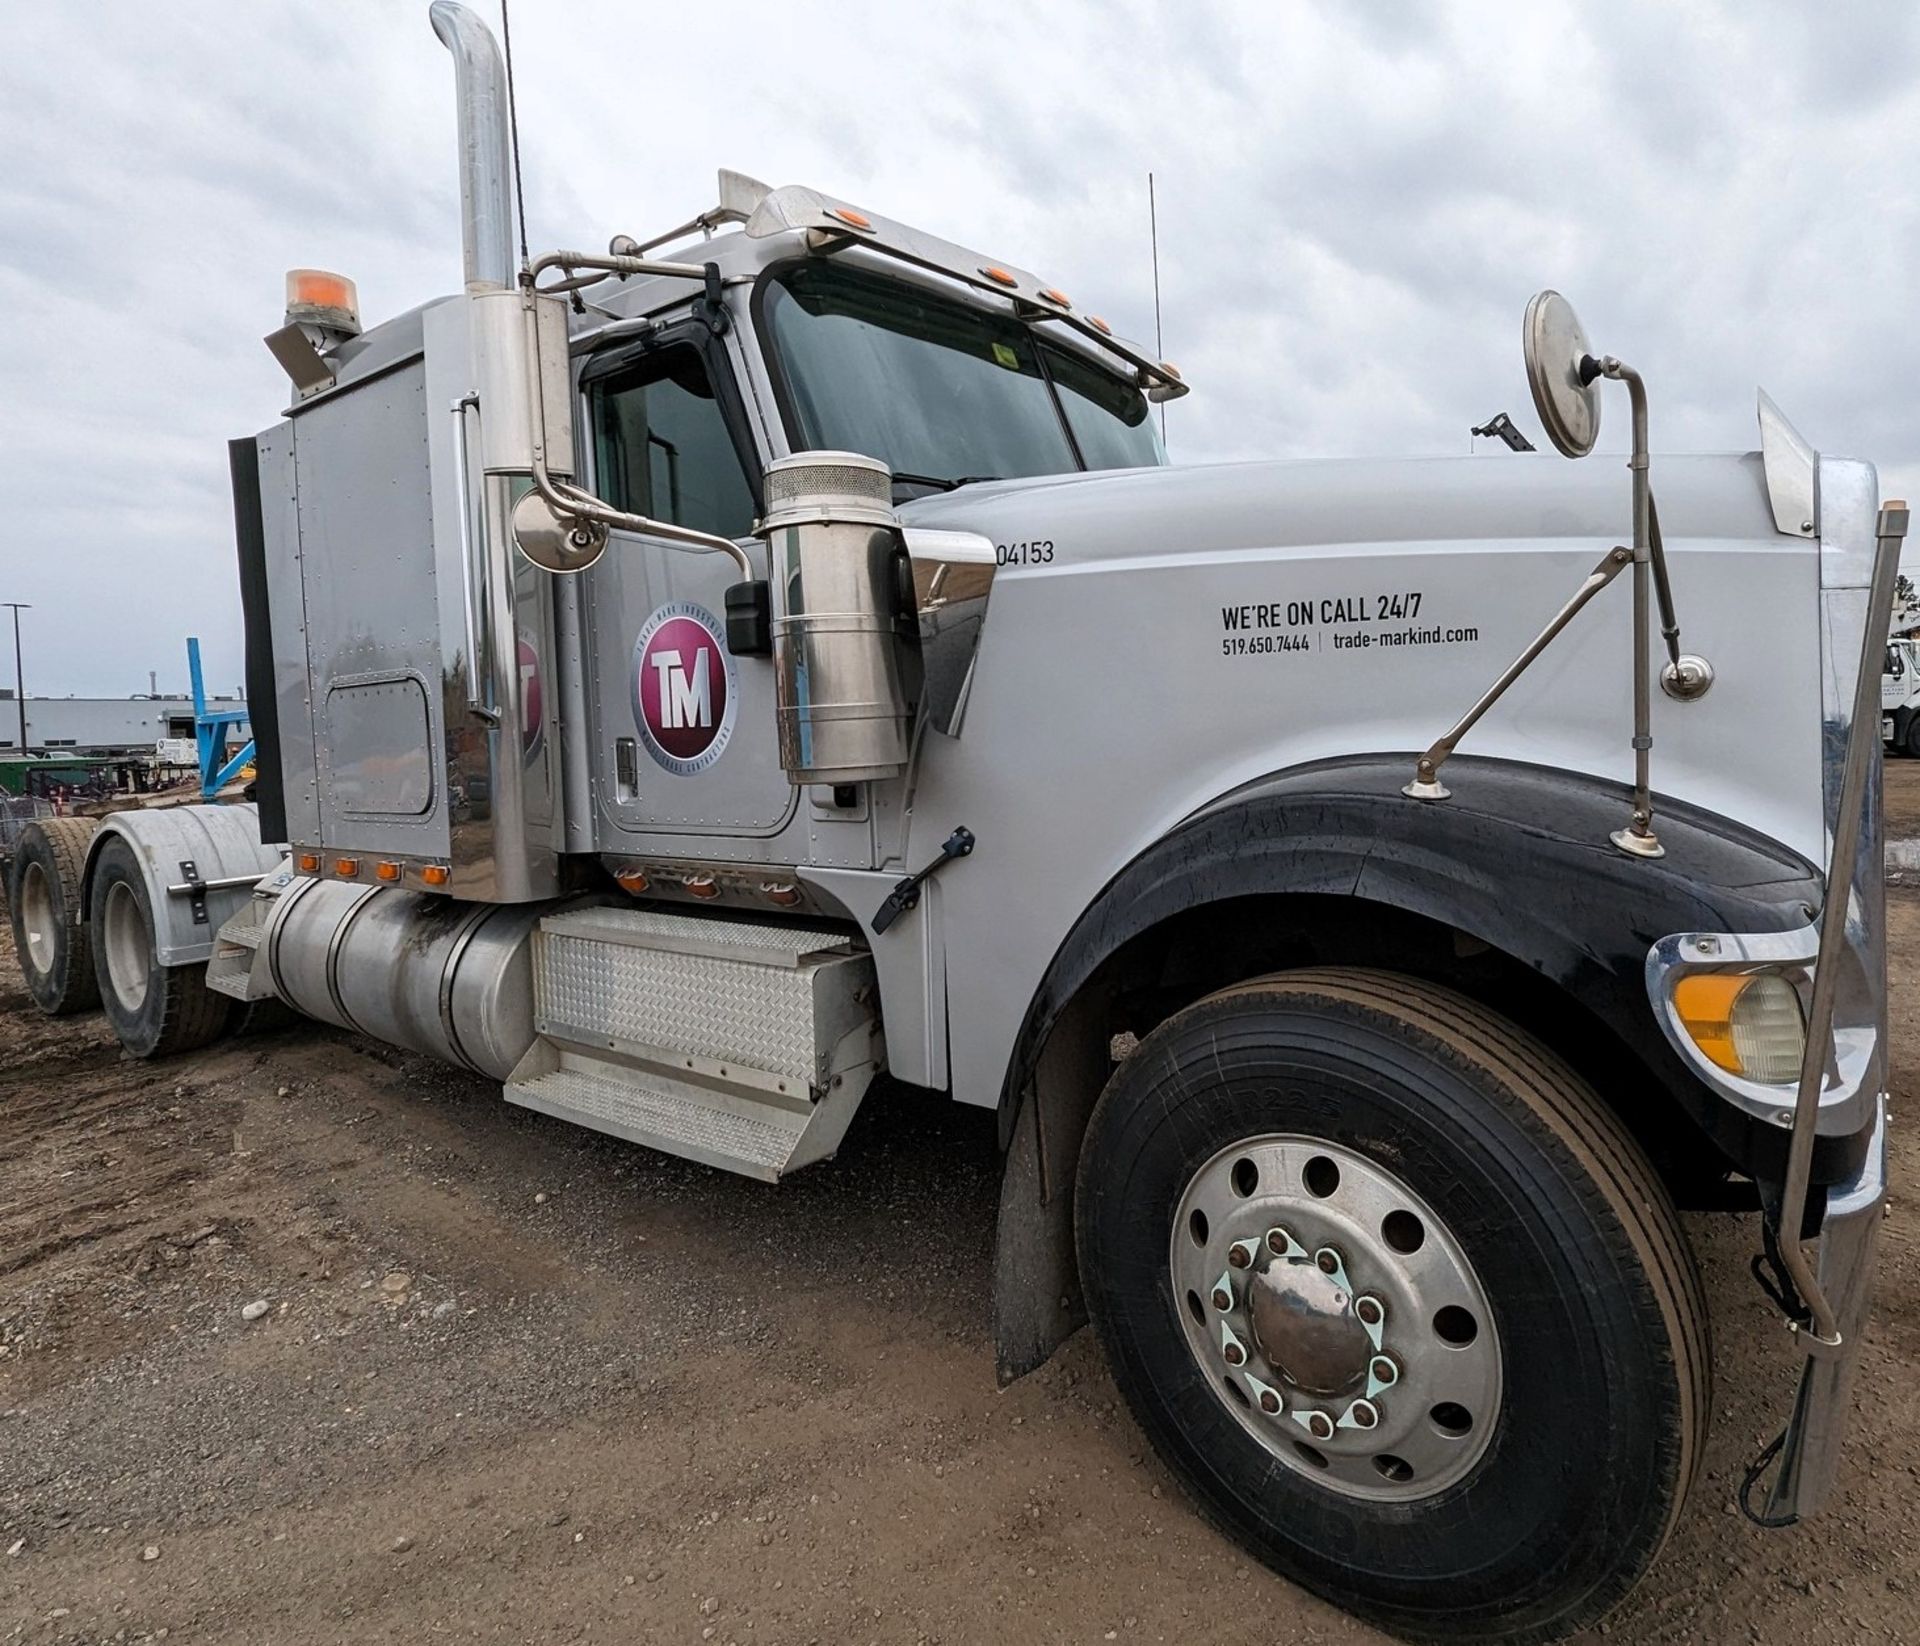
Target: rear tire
point(156, 1010)
point(49, 937)
point(1533, 1206)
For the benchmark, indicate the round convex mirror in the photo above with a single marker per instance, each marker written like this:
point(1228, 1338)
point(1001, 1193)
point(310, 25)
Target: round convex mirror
point(1556, 344)
point(554, 543)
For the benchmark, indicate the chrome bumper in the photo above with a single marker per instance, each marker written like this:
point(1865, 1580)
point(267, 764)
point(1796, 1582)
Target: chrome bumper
point(1849, 1243)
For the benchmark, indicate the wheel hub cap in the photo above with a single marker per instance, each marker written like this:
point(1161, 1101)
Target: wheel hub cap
point(1304, 1323)
point(1336, 1317)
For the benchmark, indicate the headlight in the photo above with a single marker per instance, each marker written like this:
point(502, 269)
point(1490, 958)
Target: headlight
point(1748, 1023)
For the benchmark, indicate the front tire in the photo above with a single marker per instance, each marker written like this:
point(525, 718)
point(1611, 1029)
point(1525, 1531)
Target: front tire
point(1399, 1300)
point(156, 1010)
point(49, 937)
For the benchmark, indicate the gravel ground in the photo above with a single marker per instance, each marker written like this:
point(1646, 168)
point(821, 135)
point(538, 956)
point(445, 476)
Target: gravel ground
point(309, 1340)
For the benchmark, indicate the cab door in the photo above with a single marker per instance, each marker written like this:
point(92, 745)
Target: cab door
point(683, 731)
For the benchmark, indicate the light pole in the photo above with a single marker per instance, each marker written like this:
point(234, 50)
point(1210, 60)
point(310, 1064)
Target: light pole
point(19, 676)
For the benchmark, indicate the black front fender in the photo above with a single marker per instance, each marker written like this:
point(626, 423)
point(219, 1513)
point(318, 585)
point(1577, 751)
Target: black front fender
point(1519, 859)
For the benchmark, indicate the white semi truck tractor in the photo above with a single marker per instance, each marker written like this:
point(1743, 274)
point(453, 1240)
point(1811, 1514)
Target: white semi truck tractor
point(694, 681)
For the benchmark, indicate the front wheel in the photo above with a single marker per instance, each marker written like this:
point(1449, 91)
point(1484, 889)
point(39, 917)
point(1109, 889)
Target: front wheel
point(1400, 1301)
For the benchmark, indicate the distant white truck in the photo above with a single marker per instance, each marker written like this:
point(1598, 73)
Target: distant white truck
point(1900, 696)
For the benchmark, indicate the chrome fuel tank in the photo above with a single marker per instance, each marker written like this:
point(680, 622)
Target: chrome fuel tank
point(453, 980)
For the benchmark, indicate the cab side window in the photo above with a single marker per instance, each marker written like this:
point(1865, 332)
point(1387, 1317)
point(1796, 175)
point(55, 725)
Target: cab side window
point(662, 447)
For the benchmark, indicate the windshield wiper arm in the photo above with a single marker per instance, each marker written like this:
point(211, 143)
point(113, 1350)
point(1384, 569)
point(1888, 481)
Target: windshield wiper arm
point(939, 482)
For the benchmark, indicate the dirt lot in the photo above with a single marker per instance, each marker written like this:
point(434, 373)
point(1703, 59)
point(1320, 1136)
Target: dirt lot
point(515, 1382)
point(1901, 798)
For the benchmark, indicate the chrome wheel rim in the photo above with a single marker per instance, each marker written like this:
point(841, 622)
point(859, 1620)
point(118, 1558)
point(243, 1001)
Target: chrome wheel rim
point(1336, 1317)
point(129, 951)
point(37, 920)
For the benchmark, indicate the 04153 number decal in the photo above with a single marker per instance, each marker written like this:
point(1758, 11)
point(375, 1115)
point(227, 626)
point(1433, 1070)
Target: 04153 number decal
point(1039, 552)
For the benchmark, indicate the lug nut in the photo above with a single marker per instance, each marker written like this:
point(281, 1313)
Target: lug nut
point(1328, 1259)
point(1240, 1254)
point(1369, 1311)
point(1222, 1299)
point(1236, 1356)
point(1364, 1414)
point(1269, 1401)
point(1384, 1371)
point(1278, 1240)
point(1320, 1426)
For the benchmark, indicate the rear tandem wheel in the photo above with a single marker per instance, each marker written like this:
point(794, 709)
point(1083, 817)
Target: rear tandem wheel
point(156, 1010)
point(49, 937)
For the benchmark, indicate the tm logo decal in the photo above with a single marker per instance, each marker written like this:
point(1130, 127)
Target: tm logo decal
point(684, 688)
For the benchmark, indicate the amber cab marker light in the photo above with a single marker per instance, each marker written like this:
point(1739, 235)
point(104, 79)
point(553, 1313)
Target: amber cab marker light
point(1057, 297)
point(346, 867)
point(853, 219)
point(309, 862)
point(634, 881)
point(1099, 325)
point(999, 276)
point(775, 891)
point(701, 885)
point(434, 874)
point(388, 871)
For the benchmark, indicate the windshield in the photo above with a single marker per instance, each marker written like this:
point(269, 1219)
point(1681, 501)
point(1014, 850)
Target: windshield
point(941, 391)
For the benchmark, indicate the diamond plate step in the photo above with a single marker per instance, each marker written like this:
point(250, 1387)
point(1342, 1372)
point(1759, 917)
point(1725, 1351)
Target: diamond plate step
point(230, 966)
point(669, 1115)
point(742, 1042)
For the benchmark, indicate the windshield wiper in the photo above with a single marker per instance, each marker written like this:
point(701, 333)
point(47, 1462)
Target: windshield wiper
point(939, 482)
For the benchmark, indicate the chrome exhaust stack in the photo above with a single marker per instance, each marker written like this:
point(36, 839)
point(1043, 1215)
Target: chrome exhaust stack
point(486, 187)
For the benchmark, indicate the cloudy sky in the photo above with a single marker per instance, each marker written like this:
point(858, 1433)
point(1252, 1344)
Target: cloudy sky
point(1355, 203)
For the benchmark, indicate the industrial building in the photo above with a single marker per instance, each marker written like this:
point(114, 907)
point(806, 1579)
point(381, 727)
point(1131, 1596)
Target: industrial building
point(98, 725)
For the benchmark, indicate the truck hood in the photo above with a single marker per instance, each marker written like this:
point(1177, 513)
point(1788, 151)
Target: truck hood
point(1320, 503)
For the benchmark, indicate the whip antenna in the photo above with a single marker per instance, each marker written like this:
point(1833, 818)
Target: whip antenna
point(513, 138)
point(1153, 237)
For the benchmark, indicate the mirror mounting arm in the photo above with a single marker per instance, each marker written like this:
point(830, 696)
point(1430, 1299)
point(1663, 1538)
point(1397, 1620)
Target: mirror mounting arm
point(1637, 838)
point(585, 517)
point(1426, 784)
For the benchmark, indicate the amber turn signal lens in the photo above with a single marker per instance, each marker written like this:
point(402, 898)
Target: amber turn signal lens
point(309, 862)
point(388, 871)
point(701, 885)
point(1748, 1023)
point(777, 891)
point(346, 867)
point(634, 881)
point(434, 874)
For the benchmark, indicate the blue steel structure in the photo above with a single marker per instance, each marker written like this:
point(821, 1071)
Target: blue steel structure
point(210, 732)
